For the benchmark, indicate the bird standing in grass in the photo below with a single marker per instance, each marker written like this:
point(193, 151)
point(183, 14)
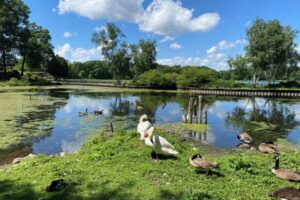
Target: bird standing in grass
point(285, 174)
point(143, 126)
point(158, 143)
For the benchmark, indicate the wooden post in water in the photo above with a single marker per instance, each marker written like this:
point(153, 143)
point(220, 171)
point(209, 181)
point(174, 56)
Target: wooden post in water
point(190, 109)
point(200, 110)
point(205, 114)
point(111, 127)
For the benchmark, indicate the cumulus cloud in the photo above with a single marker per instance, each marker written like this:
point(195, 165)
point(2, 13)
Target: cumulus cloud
point(67, 34)
point(167, 39)
point(100, 28)
point(127, 10)
point(298, 48)
point(53, 10)
point(78, 54)
point(222, 45)
point(163, 17)
point(175, 46)
point(167, 17)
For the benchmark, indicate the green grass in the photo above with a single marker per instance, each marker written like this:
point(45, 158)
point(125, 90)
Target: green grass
point(120, 167)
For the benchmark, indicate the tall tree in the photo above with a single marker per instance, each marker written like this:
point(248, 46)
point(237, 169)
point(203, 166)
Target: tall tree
point(36, 48)
point(58, 67)
point(113, 49)
point(143, 56)
point(13, 19)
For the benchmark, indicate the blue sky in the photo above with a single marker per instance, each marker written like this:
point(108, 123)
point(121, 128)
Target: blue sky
point(188, 32)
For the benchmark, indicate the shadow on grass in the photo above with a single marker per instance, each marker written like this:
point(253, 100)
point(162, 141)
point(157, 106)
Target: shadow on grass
point(163, 157)
point(210, 173)
point(17, 191)
point(11, 190)
point(167, 195)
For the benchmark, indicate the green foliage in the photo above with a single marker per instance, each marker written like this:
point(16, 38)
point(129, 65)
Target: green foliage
point(156, 79)
point(58, 67)
point(143, 57)
point(114, 51)
point(195, 77)
point(13, 21)
point(118, 166)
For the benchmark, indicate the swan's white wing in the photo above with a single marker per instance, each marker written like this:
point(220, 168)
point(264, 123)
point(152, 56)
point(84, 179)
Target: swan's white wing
point(139, 127)
point(163, 142)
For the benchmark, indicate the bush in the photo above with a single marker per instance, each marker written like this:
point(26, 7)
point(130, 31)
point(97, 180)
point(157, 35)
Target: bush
point(34, 79)
point(156, 79)
point(16, 82)
point(225, 84)
point(195, 77)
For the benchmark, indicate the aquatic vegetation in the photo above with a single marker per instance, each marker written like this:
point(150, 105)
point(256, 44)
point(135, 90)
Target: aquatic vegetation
point(118, 166)
point(25, 117)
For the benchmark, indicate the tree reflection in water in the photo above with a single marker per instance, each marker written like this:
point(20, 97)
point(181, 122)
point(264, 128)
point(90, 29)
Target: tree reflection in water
point(265, 122)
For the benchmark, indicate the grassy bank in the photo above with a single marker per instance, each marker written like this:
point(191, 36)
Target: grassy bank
point(120, 167)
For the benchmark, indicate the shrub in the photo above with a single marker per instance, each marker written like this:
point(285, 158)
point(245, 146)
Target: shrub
point(156, 79)
point(195, 77)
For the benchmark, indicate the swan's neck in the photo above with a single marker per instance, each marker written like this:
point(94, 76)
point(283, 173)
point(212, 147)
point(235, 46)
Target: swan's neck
point(276, 164)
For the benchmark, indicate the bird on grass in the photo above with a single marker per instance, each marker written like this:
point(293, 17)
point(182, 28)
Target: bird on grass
point(143, 126)
point(245, 137)
point(199, 162)
point(158, 143)
point(288, 193)
point(285, 174)
point(268, 147)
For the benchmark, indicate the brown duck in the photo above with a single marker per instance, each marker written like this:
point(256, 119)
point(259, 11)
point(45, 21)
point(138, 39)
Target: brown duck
point(285, 174)
point(268, 147)
point(245, 137)
point(201, 163)
point(288, 193)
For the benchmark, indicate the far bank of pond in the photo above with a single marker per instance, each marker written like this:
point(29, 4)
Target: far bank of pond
point(45, 119)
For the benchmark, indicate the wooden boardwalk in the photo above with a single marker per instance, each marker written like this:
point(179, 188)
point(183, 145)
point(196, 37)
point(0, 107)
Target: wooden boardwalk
point(202, 91)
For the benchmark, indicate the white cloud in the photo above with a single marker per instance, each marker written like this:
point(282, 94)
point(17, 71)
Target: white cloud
point(175, 46)
point(78, 54)
point(167, 17)
point(67, 34)
point(215, 61)
point(100, 28)
point(223, 45)
point(53, 10)
point(298, 48)
point(163, 17)
point(167, 39)
point(127, 10)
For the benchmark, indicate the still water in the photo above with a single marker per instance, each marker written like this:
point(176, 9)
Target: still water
point(264, 119)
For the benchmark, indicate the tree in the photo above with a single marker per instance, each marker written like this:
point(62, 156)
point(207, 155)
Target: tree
point(36, 48)
point(270, 53)
point(143, 56)
point(114, 51)
point(238, 65)
point(58, 67)
point(13, 20)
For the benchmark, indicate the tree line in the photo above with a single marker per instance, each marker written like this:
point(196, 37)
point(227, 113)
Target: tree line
point(270, 54)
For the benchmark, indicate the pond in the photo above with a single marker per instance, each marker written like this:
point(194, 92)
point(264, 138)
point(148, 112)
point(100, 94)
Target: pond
point(47, 121)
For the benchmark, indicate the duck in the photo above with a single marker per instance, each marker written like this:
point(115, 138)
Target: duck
point(245, 137)
point(288, 193)
point(140, 108)
point(285, 174)
point(245, 146)
point(268, 147)
point(143, 126)
point(158, 143)
point(83, 113)
point(98, 112)
point(200, 163)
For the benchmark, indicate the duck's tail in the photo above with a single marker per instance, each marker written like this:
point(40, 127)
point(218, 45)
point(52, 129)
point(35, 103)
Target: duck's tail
point(170, 151)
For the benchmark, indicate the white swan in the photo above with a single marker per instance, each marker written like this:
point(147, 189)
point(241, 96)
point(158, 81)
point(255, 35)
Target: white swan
point(158, 143)
point(143, 126)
